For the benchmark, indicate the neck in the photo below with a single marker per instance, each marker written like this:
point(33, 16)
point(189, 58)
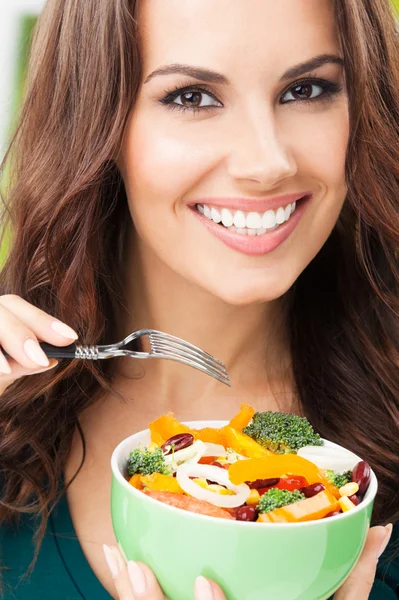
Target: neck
point(249, 339)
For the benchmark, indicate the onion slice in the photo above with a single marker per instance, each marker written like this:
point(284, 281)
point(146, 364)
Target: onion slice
point(324, 457)
point(191, 454)
point(215, 450)
point(213, 473)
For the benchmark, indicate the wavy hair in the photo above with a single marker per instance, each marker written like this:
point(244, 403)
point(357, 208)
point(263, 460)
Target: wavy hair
point(67, 211)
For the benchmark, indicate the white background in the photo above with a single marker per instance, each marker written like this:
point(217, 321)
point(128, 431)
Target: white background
point(10, 14)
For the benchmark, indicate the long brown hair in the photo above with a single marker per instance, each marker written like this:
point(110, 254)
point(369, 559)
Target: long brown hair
point(68, 214)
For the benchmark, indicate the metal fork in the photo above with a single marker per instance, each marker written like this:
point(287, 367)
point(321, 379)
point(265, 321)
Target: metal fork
point(162, 345)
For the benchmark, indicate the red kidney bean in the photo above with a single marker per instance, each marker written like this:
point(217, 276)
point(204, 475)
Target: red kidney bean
point(311, 490)
point(246, 513)
point(361, 475)
point(179, 441)
point(355, 499)
point(262, 483)
point(333, 513)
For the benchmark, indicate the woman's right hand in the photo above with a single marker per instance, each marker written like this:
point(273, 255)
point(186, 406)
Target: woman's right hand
point(22, 325)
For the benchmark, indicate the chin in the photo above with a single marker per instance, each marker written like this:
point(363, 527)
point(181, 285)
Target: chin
point(254, 292)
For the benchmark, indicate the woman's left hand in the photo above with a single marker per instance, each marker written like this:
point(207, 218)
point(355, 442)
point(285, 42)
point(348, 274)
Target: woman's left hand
point(136, 580)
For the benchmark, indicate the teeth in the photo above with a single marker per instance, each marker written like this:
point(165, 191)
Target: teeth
point(269, 219)
point(280, 216)
point(252, 223)
point(254, 220)
point(227, 217)
point(239, 219)
point(215, 215)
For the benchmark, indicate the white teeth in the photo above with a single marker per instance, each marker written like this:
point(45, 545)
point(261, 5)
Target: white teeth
point(269, 219)
point(252, 223)
point(215, 215)
point(239, 219)
point(227, 217)
point(207, 211)
point(254, 220)
point(280, 216)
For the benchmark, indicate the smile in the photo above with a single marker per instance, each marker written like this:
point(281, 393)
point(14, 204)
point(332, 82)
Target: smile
point(254, 233)
point(247, 223)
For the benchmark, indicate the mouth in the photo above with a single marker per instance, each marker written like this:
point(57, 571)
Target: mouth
point(249, 223)
point(253, 233)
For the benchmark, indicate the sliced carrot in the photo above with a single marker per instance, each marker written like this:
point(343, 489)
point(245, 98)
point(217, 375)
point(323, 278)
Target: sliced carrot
point(188, 503)
point(309, 509)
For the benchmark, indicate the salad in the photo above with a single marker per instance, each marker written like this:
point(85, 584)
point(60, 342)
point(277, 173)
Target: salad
point(266, 467)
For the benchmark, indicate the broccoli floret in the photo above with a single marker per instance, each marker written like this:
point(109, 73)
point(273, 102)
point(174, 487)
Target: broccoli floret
point(338, 479)
point(147, 461)
point(281, 432)
point(276, 498)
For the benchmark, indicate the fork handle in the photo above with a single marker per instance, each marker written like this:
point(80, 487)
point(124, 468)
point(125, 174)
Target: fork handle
point(52, 351)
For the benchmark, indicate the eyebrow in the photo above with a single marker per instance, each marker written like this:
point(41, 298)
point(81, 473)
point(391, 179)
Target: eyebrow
point(212, 77)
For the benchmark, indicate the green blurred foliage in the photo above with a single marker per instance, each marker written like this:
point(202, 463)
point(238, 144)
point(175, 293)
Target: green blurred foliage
point(26, 28)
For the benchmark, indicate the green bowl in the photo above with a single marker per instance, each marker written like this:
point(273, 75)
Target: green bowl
point(250, 561)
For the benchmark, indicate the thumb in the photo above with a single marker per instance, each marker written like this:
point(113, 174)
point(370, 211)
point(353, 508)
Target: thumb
point(205, 589)
point(360, 581)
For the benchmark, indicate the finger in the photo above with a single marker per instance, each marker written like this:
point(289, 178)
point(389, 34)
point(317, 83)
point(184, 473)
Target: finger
point(360, 581)
point(18, 371)
point(205, 589)
point(133, 580)
point(21, 325)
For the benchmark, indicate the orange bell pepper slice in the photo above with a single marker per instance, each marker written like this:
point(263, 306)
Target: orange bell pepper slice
point(135, 481)
point(167, 425)
point(275, 465)
point(161, 483)
point(309, 509)
point(242, 418)
point(244, 445)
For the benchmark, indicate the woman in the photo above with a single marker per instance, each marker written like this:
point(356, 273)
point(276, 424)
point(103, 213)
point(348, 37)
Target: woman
point(225, 172)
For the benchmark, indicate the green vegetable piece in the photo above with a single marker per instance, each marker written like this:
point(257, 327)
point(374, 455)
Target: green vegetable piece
point(147, 461)
point(276, 498)
point(282, 433)
point(338, 479)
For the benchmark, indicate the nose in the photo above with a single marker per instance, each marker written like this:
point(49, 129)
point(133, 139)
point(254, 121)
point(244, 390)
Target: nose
point(258, 151)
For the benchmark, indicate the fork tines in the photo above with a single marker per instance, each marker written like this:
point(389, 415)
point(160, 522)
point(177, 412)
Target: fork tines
point(175, 348)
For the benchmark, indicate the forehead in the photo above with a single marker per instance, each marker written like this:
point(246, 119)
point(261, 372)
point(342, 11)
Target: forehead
point(235, 33)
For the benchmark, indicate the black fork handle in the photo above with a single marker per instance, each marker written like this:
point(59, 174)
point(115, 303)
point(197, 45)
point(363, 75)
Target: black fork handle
point(52, 351)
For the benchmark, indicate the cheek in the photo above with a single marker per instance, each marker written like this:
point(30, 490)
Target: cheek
point(160, 165)
point(320, 144)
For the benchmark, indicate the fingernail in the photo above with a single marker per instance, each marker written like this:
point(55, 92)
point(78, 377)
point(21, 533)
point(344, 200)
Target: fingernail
point(137, 578)
point(64, 330)
point(386, 539)
point(203, 589)
point(53, 363)
point(35, 353)
point(112, 561)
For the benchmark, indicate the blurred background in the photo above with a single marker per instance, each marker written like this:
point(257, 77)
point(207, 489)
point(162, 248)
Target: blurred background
point(17, 19)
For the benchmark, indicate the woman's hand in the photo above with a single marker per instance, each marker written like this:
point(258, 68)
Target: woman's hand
point(21, 326)
point(134, 581)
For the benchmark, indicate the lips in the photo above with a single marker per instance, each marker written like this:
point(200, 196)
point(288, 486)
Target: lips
point(260, 244)
point(251, 204)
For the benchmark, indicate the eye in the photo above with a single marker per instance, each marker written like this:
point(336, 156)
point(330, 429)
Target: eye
point(310, 90)
point(192, 98)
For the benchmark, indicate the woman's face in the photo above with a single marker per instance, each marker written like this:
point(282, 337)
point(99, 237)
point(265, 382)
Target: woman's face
point(241, 112)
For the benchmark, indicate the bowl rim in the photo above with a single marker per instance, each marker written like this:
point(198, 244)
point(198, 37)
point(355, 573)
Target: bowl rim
point(370, 494)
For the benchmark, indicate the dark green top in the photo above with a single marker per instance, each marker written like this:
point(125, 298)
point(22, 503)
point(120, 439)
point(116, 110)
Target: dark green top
point(63, 573)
